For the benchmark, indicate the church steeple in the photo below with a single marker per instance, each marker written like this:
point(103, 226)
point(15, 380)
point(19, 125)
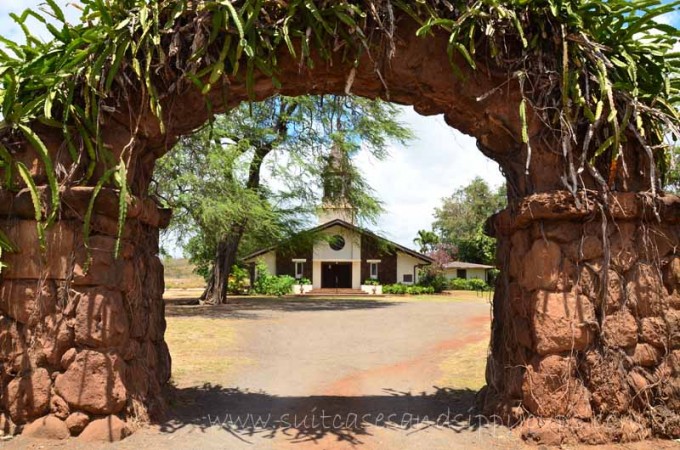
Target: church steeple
point(337, 180)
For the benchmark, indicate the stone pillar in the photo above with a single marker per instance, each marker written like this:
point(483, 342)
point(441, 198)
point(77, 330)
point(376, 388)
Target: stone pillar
point(586, 327)
point(76, 343)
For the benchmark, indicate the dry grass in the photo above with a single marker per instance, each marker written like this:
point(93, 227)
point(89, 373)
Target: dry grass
point(464, 368)
point(202, 349)
point(179, 274)
point(447, 296)
point(173, 293)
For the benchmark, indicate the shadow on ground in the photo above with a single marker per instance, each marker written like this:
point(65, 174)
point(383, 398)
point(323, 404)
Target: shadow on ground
point(187, 307)
point(300, 419)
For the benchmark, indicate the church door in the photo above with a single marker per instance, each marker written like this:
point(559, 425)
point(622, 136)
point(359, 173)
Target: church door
point(336, 275)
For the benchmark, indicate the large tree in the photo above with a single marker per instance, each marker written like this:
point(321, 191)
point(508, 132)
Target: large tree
point(426, 241)
point(460, 220)
point(214, 179)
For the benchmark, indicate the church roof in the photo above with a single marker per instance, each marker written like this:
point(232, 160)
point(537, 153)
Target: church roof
point(466, 265)
point(349, 226)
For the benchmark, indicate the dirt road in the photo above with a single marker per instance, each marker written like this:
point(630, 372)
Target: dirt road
point(323, 374)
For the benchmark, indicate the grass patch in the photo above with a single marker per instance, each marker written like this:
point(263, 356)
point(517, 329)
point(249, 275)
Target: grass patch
point(179, 274)
point(447, 297)
point(464, 368)
point(202, 349)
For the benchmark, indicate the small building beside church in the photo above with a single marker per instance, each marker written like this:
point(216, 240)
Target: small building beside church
point(467, 271)
point(338, 254)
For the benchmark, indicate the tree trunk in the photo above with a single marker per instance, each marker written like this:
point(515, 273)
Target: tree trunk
point(225, 257)
point(227, 249)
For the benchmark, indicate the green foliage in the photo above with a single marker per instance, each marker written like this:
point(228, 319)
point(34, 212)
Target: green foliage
point(304, 282)
point(372, 282)
point(239, 280)
point(427, 241)
point(478, 248)
point(671, 182)
point(433, 278)
point(402, 289)
point(460, 220)
point(268, 284)
point(214, 179)
point(474, 284)
point(6, 245)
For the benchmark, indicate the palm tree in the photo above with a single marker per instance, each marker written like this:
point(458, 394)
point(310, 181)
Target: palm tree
point(426, 240)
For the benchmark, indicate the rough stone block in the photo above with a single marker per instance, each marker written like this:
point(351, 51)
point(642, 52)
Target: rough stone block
point(606, 381)
point(76, 422)
point(646, 355)
point(551, 389)
point(93, 383)
point(622, 247)
point(28, 301)
point(108, 429)
point(104, 269)
point(561, 322)
point(645, 290)
point(29, 263)
point(59, 407)
point(28, 397)
point(620, 329)
point(101, 319)
point(48, 427)
point(541, 266)
point(653, 331)
point(584, 248)
point(673, 322)
point(56, 338)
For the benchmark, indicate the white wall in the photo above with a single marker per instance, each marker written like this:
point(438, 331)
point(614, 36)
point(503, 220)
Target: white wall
point(316, 274)
point(405, 265)
point(480, 274)
point(351, 251)
point(269, 260)
point(356, 275)
point(328, 213)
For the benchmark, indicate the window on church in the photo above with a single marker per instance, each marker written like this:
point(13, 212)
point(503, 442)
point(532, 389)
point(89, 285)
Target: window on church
point(337, 243)
point(374, 270)
point(408, 278)
point(299, 270)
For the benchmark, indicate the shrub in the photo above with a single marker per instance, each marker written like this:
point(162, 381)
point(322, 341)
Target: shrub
point(268, 284)
point(461, 284)
point(435, 280)
point(239, 281)
point(304, 281)
point(372, 282)
point(458, 284)
point(396, 289)
point(401, 289)
point(478, 285)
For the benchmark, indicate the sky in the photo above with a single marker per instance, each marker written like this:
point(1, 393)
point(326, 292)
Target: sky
point(411, 182)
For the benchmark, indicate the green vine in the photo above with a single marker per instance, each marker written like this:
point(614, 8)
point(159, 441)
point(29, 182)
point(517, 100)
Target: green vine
point(595, 72)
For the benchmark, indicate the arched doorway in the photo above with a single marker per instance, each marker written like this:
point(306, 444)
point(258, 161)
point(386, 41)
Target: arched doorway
point(585, 314)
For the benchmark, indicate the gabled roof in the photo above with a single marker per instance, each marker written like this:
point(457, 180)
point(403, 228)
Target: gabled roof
point(349, 226)
point(465, 265)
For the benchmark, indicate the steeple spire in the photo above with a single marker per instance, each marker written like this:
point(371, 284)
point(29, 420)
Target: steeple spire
point(337, 179)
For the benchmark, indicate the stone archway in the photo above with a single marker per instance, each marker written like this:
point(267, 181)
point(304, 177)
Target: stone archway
point(586, 314)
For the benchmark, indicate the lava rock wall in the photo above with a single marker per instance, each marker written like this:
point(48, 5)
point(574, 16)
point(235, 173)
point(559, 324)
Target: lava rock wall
point(81, 331)
point(586, 332)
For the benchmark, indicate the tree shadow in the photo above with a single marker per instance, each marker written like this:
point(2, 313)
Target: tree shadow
point(298, 419)
point(243, 307)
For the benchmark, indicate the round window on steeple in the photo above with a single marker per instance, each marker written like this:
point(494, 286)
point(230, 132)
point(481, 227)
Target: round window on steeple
point(337, 242)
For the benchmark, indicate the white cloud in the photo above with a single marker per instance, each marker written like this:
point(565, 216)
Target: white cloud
point(10, 30)
point(414, 179)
